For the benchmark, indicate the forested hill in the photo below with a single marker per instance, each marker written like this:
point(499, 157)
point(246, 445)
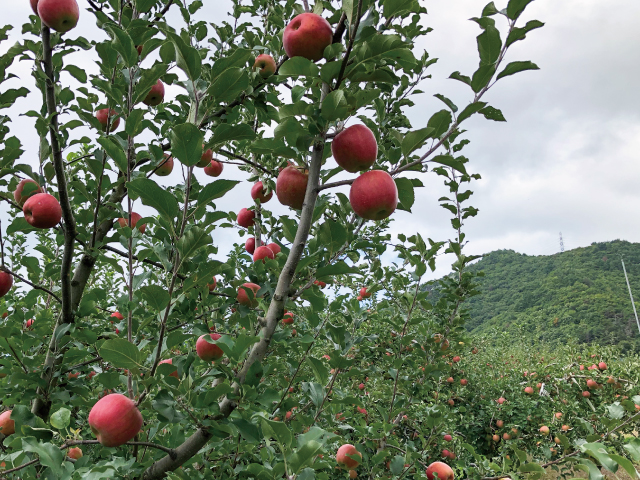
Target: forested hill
point(578, 295)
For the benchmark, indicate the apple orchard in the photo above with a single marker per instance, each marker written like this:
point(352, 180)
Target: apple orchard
point(133, 348)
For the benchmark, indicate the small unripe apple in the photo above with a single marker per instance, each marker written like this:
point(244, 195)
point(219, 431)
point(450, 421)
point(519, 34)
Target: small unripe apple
point(355, 149)
point(544, 430)
point(265, 64)
point(208, 351)
point(258, 192)
point(6, 282)
point(442, 470)
point(261, 253)
point(25, 189)
point(245, 218)
point(75, 453)
point(135, 218)
point(170, 362)
point(166, 167)
point(275, 248)
point(291, 186)
point(60, 15)
point(156, 96)
point(42, 211)
point(115, 419)
point(374, 195)
point(104, 115)
point(7, 426)
point(307, 35)
point(205, 160)
point(214, 169)
point(348, 456)
point(250, 245)
point(243, 297)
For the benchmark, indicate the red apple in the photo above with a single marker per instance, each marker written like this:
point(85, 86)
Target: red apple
point(445, 453)
point(29, 323)
point(155, 96)
point(114, 419)
point(257, 193)
point(364, 293)
point(42, 210)
point(361, 386)
point(212, 286)
point(166, 167)
point(348, 456)
point(586, 394)
point(500, 423)
point(359, 298)
point(307, 35)
point(447, 438)
point(135, 217)
point(495, 438)
point(243, 297)
point(528, 390)
point(275, 248)
point(464, 382)
point(7, 426)
point(170, 362)
point(250, 245)
point(6, 282)
point(506, 436)
point(355, 149)
point(104, 115)
point(602, 366)
point(214, 169)
point(25, 189)
point(73, 375)
point(117, 315)
point(288, 318)
point(245, 218)
point(60, 15)
point(208, 351)
point(544, 430)
point(263, 252)
point(291, 186)
point(450, 380)
point(75, 453)
point(206, 158)
point(592, 384)
point(501, 400)
point(443, 471)
point(34, 6)
point(374, 195)
point(456, 359)
point(265, 64)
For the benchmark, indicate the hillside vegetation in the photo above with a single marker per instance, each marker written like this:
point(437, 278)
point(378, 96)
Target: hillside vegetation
point(577, 296)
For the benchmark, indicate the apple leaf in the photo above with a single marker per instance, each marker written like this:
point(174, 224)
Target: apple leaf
point(414, 140)
point(121, 353)
point(226, 133)
point(515, 67)
point(48, 454)
point(115, 151)
point(61, 418)
point(406, 195)
point(154, 196)
point(156, 297)
point(229, 85)
point(298, 67)
point(186, 143)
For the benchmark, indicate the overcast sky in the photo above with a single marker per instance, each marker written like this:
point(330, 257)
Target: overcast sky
point(566, 160)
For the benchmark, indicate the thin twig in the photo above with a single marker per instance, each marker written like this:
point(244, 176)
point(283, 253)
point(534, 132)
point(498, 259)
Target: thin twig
point(33, 285)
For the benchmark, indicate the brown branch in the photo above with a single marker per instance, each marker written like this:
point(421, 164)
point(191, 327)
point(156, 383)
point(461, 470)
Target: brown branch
point(345, 60)
point(33, 285)
point(97, 358)
point(247, 161)
point(335, 184)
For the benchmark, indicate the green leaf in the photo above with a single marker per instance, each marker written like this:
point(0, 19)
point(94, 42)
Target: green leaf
point(186, 143)
point(155, 196)
point(304, 455)
point(482, 77)
point(489, 10)
point(121, 353)
point(333, 236)
point(591, 468)
point(616, 411)
point(156, 297)
point(187, 57)
point(76, 72)
point(338, 268)
point(518, 34)
point(61, 418)
point(226, 133)
point(214, 190)
point(134, 125)
point(397, 465)
point(599, 452)
point(229, 85)
point(192, 240)
point(115, 151)
point(123, 44)
point(531, 467)
point(489, 45)
point(462, 78)
point(516, 7)
point(633, 447)
point(470, 110)
point(347, 8)
point(315, 298)
point(449, 161)
point(393, 8)
point(319, 369)
point(278, 431)
point(447, 102)
point(439, 122)
point(626, 464)
point(248, 430)
point(515, 67)
point(414, 140)
point(406, 195)
point(299, 67)
point(48, 454)
point(335, 106)
point(494, 114)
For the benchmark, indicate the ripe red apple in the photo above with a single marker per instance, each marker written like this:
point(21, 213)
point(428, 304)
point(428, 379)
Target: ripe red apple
point(361, 386)
point(501, 400)
point(263, 252)
point(115, 419)
point(359, 298)
point(450, 380)
point(353, 474)
point(565, 428)
point(586, 394)
point(442, 470)
point(73, 375)
point(528, 390)
point(29, 323)
point(258, 193)
point(374, 195)
point(348, 456)
point(212, 286)
point(6, 282)
point(456, 359)
point(7, 426)
point(155, 96)
point(500, 423)
point(42, 211)
point(117, 315)
point(214, 169)
point(275, 248)
point(581, 367)
point(496, 438)
point(445, 453)
point(5, 314)
point(602, 366)
point(60, 15)
point(250, 245)
point(288, 318)
point(319, 283)
point(506, 436)
point(170, 362)
point(243, 297)
point(34, 6)
point(25, 189)
point(558, 414)
point(307, 35)
point(544, 430)
point(135, 217)
point(364, 293)
point(592, 384)
point(166, 167)
point(208, 351)
point(355, 149)
point(245, 218)
point(104, 115)
point(291, 186)
point(447, 438)
point(75, 453)
point(265, 64)
point(205, 160)
point(464, 382)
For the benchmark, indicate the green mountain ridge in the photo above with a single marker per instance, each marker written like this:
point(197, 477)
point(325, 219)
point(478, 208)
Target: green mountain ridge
point(576, 296)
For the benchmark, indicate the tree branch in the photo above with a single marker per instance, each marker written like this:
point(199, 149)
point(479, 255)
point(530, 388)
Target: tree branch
point(349, 47)
point(33, 285)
